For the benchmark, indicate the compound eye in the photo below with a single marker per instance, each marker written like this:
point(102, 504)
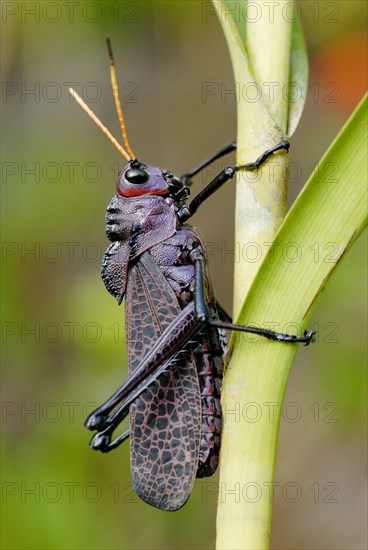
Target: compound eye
point(136, 175)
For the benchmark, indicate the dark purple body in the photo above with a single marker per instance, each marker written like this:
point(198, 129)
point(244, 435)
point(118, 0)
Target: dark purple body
point(176, 422)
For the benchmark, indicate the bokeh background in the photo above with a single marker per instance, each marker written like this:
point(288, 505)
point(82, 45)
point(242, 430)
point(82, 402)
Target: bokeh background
point(63, 335)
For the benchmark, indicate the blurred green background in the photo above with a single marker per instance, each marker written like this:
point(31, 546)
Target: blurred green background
point(63, 335)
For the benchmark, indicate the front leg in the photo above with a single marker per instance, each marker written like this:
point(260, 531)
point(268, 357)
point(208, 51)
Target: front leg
point(227, 174)
point(186, 178)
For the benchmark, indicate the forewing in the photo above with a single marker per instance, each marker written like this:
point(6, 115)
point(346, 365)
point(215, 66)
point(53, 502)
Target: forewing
point(165, 420)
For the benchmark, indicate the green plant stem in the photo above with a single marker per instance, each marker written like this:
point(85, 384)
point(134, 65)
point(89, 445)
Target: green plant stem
point(261, 201)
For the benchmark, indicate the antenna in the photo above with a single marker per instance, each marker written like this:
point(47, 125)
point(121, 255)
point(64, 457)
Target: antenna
point(99, 123)
point(115, 89)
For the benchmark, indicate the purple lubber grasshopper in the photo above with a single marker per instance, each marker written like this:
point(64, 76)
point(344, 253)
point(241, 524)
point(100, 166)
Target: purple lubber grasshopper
point(175, 328)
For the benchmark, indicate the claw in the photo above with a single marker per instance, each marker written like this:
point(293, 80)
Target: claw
point(309, 337)
point(306, 339)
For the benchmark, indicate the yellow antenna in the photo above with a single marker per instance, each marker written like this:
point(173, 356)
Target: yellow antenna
point(115, 90)
point(99, 123)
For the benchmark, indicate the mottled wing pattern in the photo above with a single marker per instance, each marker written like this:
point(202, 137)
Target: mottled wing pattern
point(165, 420)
